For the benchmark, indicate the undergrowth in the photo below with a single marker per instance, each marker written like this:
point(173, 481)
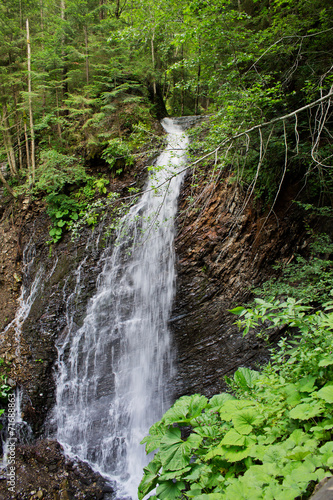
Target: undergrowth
point(271, 438)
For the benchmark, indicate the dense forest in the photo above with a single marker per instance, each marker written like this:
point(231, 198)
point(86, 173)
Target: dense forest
point(81, 80)
point(83, 84)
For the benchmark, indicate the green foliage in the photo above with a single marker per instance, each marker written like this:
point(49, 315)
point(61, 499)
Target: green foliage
point(100, 71)
point(310, 278)
point(5, 389)
point(273, 440)
point(56, 170)
point(118, 155)
point(63, 210)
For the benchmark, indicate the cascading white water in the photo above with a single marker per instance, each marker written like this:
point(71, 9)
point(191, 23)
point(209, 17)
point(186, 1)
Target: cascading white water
point(28, 293)
point(113, 372)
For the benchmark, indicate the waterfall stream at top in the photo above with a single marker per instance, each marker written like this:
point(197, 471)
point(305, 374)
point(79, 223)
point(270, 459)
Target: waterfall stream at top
point(114, 372)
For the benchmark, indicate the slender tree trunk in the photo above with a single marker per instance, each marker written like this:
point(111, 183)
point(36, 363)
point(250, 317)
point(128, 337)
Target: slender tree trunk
point(5, 183)
point(42, 31)
point(198, 82)
point(64, 68)
point(58, 116)
point(18, 128)
point(85, 30)
point(27, 149)
point(183, 81)
point(19, 145)
point(32, 131)
point(153, 61)
point(21, 18)
point(8, 141)
point(101, 10)
point(117, 11)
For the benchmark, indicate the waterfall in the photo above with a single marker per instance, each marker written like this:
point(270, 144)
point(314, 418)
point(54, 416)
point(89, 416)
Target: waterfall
point(114, 372)
point(29, 291)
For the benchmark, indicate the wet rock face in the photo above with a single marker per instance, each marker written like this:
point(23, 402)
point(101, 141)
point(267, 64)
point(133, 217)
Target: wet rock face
point(30, 342)
point(43, 473)
point(27, 263)
point(222, 251)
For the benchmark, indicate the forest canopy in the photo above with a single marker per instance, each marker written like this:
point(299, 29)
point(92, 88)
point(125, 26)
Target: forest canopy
point(86, 79)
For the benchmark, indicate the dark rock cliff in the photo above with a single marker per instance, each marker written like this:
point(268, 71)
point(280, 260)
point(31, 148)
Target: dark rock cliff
point(222, 250)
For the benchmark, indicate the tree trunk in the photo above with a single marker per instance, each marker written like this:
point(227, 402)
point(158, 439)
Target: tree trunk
point(153, 61)
point(8, 141)
point(198, 83)
point(101, 10)
point(18, 128)
point(85, 30)
point(64, 68)
point(5, 183)
point(58, 116)
point(183, 81)
point(32, 131)
point(117, 11)
point(27, 149)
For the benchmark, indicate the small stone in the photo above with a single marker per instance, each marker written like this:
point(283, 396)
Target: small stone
point(17, 278)
point(64, 495)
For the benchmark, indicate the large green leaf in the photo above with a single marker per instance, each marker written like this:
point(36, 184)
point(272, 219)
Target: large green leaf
point(275, 491)
point(246, 378)
point(175, 453)
point(219, 399)
point(299, 453)
point(298, 436)
point(235, 454)
point(245, 420)
point(291, 394)
point(301, 474)
point(152, 441)
point(326, 361)
point(233, 438)
point(149, 479)
point(185, 409)
point(198, 471)
point(205, 431)
point(232, 407)
point(257, 475)
point(169, 490)
point(242, 490)
point(271, 454)
point(175, 474)
point(326, 393)
point(194, 491)
point(306, 384)
point(305, 411)
point(326, 452)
